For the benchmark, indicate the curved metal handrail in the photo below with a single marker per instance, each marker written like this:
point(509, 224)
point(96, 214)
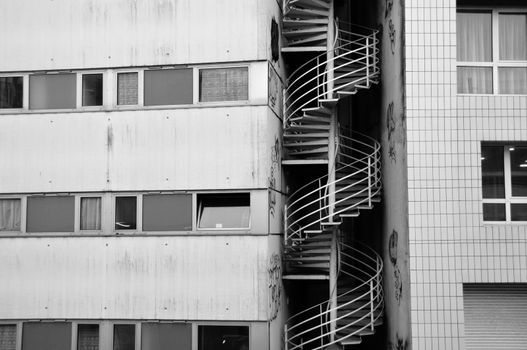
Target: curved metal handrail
point(309, 206)
point(365, 266)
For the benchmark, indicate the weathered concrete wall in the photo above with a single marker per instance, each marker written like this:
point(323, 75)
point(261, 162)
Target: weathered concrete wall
point(395, 187)
point(63, 34)
point(183, 278)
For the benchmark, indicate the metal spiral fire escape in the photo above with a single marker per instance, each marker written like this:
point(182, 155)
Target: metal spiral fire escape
point(316, 248)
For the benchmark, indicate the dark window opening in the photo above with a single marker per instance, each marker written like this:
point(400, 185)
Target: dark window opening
point(124, 337)
point(92, 89)
point(11, 92)
point(218, 211)
point(88, 337)
point(223, 338)
point(125, 213)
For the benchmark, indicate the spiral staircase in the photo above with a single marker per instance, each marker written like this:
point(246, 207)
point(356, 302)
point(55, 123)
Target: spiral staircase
point(343, 60)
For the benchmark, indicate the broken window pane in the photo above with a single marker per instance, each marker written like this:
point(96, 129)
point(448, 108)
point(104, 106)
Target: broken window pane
point(125, 213)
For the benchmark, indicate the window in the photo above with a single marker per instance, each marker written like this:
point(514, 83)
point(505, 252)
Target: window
point(127, 88)
point(218, 211)
point(88, 337)
point(11, 92)
point(165, 336)
point(7, 336)
point(125, 213)
point(53, 91)
point(168, 87)
point(124, 337)
point(92, 89)
point(46, 336)
point(491, 52)
point(10, 215)
point(223, 337)
point(504, 182)
point(167, 212)
point(223, 84)
point(90, 218)
point(50, 214)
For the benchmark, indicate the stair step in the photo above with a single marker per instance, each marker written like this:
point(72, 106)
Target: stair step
point(320, 150)
point(353, 340)
point(308, 39)
point(353, 214)
point(304, 30)
point(331, 223)
point(320, 111)
point(306, 135)
point(311, 266)
point(306, 144)
point(305, 277)
point(296, 127)
point(311, 120)
point(304, 161)
point(304, 49)
point(315, 258)
point(329, 101)
point(294, 11)
point(347, 93)
point(298, 23)
point(313, 3)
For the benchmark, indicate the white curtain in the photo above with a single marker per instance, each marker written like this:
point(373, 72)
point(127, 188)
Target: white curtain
point(474, 37)
point(474, 80)
point(91, 213)
point(513, 37)
point(9, 214)
point(512, 80)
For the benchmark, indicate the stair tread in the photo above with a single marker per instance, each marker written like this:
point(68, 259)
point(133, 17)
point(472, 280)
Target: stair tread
point(304, 161)
point(308, 39)
point(305, 12)
point(314, 3)
point(306, 277)
point(304, 49)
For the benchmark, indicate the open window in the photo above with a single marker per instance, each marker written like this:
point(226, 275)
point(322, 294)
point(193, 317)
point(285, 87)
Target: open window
point(124, 337)
point(223, 337)
point(126, 213)
point(224, 210)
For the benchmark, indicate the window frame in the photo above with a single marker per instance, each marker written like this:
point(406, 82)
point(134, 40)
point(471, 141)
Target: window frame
point(197, 211)
point(197, 85)
point(80, 92)
point(140, 89)
point(138, 211)
point(23, 212)
point(18, 324)
point(25, 92)
point(196, 325)
point(496, 62)
point(508, 198)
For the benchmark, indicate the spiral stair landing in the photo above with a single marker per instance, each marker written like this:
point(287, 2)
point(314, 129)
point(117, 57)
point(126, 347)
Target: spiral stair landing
point(343, 59)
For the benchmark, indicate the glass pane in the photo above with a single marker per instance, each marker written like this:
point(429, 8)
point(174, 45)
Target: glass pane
point(7, 337)
point(168, 87)
point(474, 80)
point(167, 212)
point(127, 90)
point(124, 337)
point(11, 92)
point(9, 214)
point(125, 213)
point(519, 171)
point(92, 90)
point(88, 337)
point(223, 337)
point(494, 212)
point(492, 172)
point(474, 37)
point(519, 212)
point(224, 210)
point(46, 336)
point(513, 36)
point(223, 84)
point(512, 80)
point(52, 91)
point(91, 213)
point(171, 336)
point(50, 214)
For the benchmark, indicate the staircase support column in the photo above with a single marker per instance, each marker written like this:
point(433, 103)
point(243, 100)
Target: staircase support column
point(333, 274)
point(330, 50)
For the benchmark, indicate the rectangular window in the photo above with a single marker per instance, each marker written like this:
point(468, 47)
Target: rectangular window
point(50, 214)
point(504, 182)
point(92, 89)
point(166, 336)
point(224, 84)
point(90, 218)
point(11, 92)
point(7, 336)
point(52, 91)
point(88, 337)
point(125, 213)
point(218, 211)
point(10, 214)
point(168, 87)
point(46, 336)
point(223, 337)
point(491, 52)
point(167, 212)
point(124, 337)
point(127, 88)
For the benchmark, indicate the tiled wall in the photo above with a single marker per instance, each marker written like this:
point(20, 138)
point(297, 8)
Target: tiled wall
point(449, 243)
